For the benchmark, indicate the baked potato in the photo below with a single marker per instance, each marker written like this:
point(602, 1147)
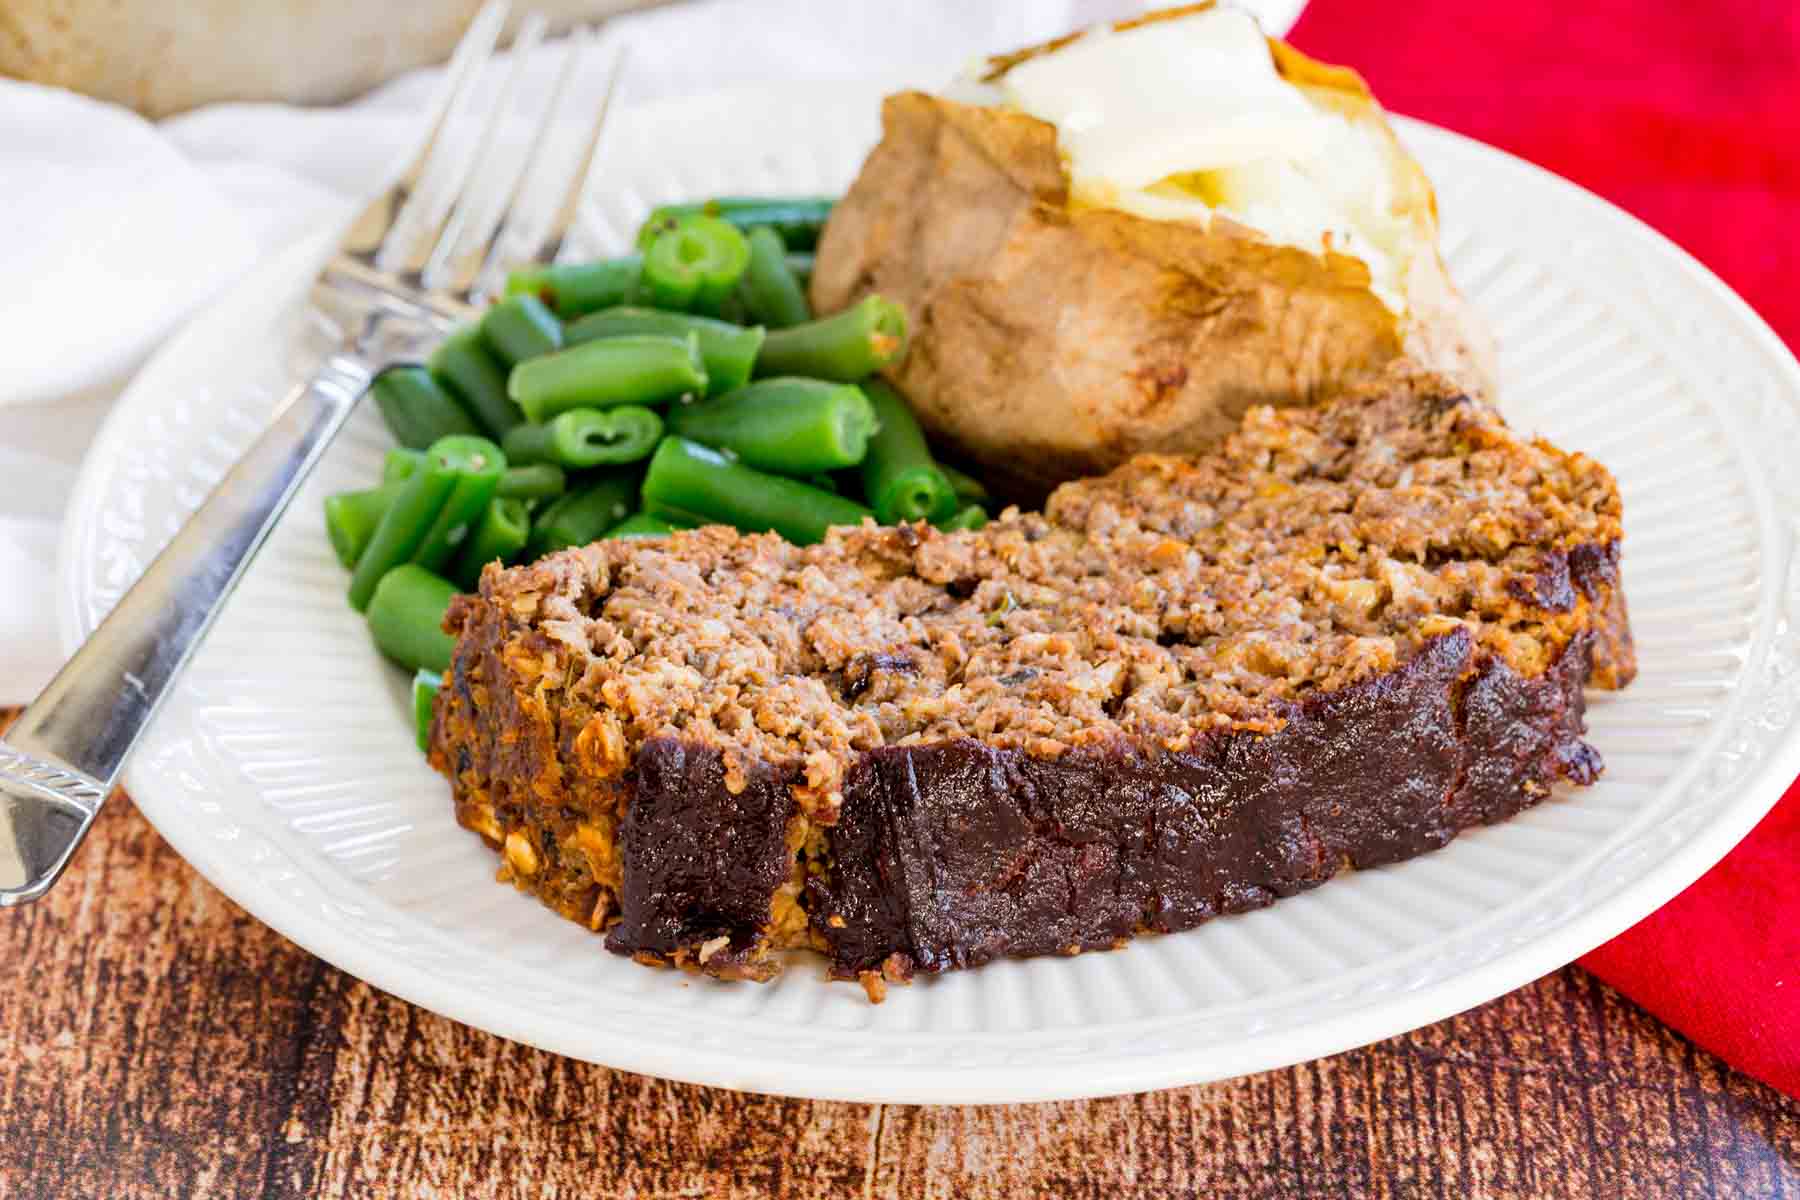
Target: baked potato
point(1055, 336)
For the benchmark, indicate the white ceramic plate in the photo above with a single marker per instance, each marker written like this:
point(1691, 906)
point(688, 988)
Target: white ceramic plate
point(284, 768)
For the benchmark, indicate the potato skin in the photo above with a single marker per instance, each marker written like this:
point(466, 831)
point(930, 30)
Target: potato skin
point(1052, 342)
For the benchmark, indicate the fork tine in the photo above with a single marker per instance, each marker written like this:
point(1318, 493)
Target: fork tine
point(507, 242)
point(383, 214)
point(587, 173)
point(524, 232)
point(443, 164)
point(475, 213)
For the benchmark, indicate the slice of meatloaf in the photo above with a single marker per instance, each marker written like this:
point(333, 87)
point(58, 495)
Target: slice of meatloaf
point(1186, 688)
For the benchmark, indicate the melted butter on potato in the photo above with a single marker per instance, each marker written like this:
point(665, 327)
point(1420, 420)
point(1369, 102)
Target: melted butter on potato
point(1186, 118)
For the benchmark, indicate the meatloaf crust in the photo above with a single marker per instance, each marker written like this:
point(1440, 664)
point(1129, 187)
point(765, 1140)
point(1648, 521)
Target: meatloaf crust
point(902, 823)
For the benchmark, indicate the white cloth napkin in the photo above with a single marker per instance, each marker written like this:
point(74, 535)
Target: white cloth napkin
point(115, 229)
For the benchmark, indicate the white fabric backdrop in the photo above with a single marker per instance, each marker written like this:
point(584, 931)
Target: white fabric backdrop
point(116, 228)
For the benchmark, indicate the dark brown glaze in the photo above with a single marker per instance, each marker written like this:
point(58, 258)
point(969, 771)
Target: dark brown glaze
point(1591, 568)
point(701, 860)
point(1550, 588)
point(953, 854)
point(1594, 567)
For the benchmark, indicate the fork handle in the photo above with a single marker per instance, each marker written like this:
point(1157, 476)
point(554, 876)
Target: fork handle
point(64, 753)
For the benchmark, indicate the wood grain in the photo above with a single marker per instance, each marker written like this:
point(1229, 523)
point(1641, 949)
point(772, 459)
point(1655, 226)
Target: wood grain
point(156, 1041)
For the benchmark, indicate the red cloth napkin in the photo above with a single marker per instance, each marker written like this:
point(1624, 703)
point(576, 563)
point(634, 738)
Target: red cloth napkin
point(1687, 115)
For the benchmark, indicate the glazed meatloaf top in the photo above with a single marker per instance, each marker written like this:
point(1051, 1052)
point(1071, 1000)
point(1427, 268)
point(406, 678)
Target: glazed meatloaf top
point(1170, 598)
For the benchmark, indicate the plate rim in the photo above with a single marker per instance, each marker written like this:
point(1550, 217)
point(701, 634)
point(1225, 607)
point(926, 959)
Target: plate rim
point(1757, 793)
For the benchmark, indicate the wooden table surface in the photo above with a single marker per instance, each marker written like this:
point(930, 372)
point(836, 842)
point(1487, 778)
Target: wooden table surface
point(156, 1041)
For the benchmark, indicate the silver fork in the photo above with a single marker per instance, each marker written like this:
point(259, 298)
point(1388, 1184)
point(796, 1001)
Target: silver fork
point(415, 262)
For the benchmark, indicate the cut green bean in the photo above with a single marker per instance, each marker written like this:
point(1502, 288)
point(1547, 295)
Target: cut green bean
point(968, 489)
point(670, 282)
point(790, 426)
point(476, 483)
point(437, 499)
point(521, 327)
point(425, 687)
point(588, 437)
point(848, 346)
point(535, 444)
point(571, 289)
point(351, 518)
point(535, 481)
point(501, 533)
point(899, 476)
point(695, 265)
point(608, 373)
point(587, 511)
point(464, 364)
point(639, 525)
point(688, 481)
point(417, 409)
point(406, 617)
point(399, 463)
point(971, 516)
point(798, 219)
point(729, 351)
point(403, 526)
point(769, 291)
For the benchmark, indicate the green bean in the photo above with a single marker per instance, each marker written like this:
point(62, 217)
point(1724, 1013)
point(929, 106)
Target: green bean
point(802, 266)
point(971, 516)
point(791, 426)
point(535, 481)
point(433, 502)
point(798, 219)
point(848, 346)
point(402, 527)
point(399, 463)
point(571, 289)
point(639, 525)
point(587, 511)
point(588, 437)
point(609, 372)
point(351, 518)
point(968, 489)
point(502, 531)
point(418, 411)
point(521, 327)
point(425, 687)
point(475, 487)
point(463, 364)
point(688, 481)
point(899, 477)
point(695, 265)
point(729, 351)
point(406, 617)
point(770, 293)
